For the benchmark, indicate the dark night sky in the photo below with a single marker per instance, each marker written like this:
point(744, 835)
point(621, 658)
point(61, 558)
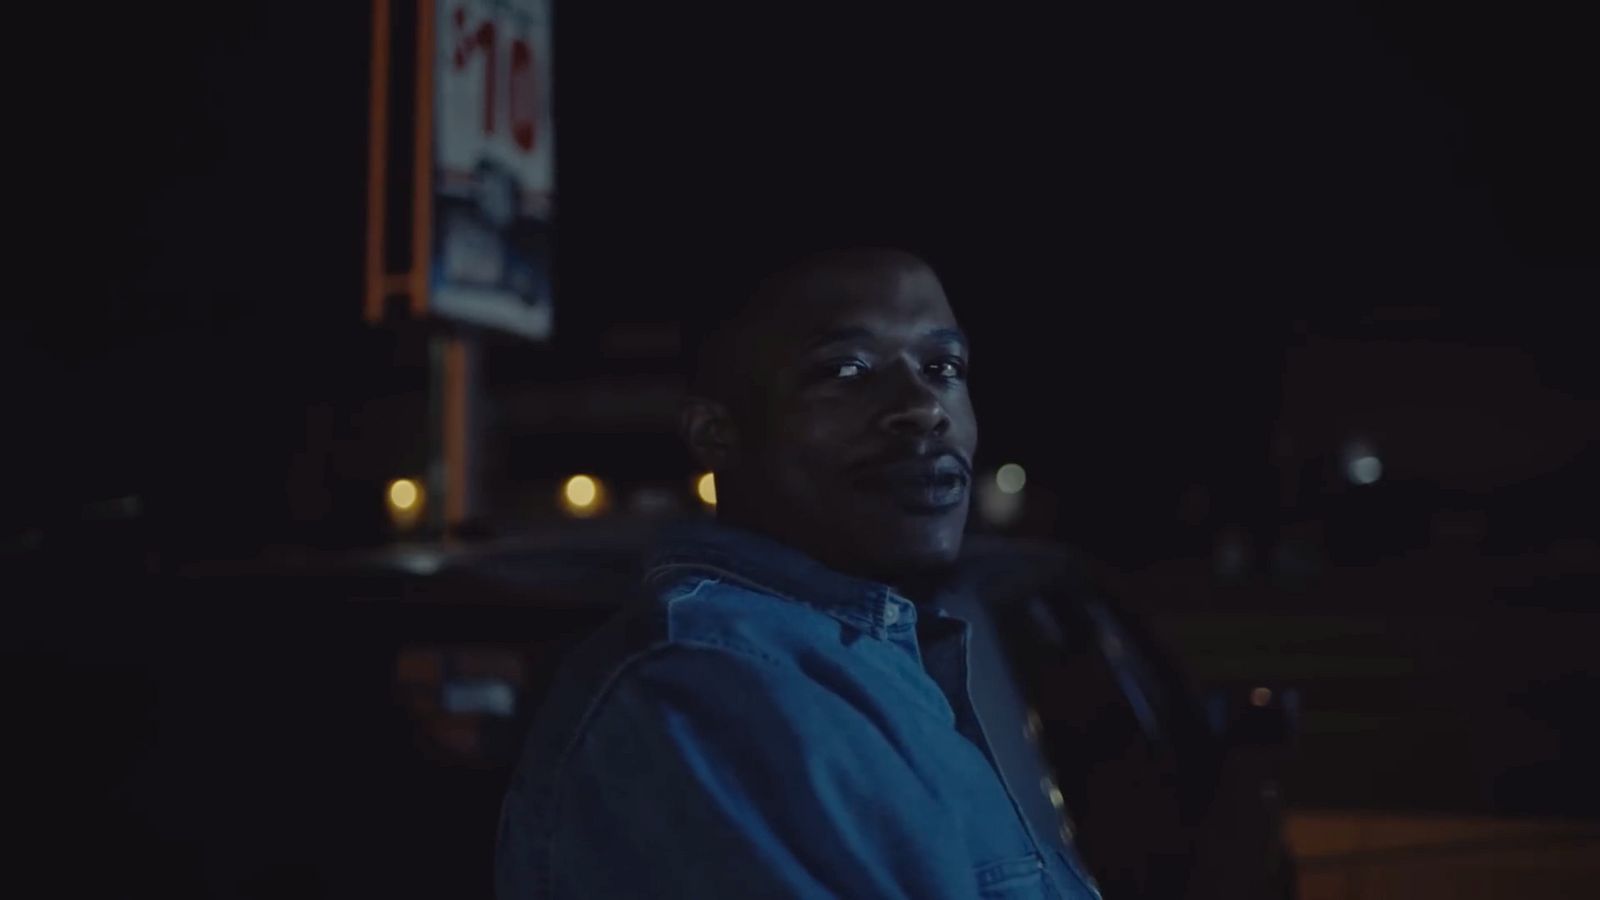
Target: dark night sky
point(1135, 209)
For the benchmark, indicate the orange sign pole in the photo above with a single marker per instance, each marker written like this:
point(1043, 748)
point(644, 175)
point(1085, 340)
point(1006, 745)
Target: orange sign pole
point(454, 355)
point(377, 163)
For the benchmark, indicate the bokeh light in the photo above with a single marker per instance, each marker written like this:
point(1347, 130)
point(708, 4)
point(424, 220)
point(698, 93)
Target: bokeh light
point(404, 500)
point(1011, 478)
point(1365, 469)
point(582, 495)
point(403, 493)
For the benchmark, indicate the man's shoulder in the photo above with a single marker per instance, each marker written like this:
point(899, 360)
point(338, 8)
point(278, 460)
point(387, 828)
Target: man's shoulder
point(696, 621)
point(709, 612)
point(699, 619)
point(715, 635)
point(706, 656)
point(684, 613)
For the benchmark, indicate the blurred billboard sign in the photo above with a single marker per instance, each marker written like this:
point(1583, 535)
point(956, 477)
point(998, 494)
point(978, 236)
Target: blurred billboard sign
point(480, 193)
point(494, 165)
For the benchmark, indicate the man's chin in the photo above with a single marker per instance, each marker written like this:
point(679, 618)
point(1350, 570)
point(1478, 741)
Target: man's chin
point(913, 544)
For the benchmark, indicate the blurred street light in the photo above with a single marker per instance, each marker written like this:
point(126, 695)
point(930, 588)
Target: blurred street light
point(404, 499)
point(706, 487)
point(1361, 463)
point(403, 493)
point(1366, 469)
point(582, 496)
point(1011, 478)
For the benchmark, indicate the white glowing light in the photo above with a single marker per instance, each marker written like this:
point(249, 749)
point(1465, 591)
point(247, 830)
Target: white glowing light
point(1011, 478)
point(1365, 469)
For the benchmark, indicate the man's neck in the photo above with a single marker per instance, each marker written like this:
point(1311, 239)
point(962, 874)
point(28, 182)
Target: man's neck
point(918, 585)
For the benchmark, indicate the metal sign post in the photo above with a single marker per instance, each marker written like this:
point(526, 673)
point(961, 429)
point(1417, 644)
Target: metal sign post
point(476, 130)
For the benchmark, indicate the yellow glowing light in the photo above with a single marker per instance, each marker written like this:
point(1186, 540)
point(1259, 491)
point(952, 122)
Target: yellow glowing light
point(706, 487)
point(581, 491)
point(1261, 696)
point(1010, 478)
point(404, 500)
point(403, 494)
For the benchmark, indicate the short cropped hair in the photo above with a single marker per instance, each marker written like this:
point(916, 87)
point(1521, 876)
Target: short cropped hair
point(715, 314)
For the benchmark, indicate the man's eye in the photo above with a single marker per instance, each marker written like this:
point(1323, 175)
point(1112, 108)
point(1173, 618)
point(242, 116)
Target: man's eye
point(846, 370)
point(951, 369)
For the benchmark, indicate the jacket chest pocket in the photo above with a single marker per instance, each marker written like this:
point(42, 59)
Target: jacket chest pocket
point(1017, 878)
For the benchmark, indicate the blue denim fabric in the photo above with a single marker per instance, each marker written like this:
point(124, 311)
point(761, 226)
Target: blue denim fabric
point(761, 726)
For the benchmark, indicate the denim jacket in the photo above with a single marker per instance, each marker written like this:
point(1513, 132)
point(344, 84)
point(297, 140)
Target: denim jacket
point(759, 725)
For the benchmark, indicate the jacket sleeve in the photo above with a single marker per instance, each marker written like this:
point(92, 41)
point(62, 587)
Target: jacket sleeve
point(711, 772)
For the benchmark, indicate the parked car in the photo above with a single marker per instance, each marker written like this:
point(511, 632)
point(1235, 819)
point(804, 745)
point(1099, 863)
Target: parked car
point(344, 727)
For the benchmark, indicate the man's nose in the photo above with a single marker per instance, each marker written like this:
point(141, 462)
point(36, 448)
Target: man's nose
point(915, 410)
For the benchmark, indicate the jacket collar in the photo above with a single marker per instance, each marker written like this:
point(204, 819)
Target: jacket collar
point(714, 549)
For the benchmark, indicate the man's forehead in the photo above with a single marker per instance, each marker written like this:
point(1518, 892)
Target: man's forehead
point(853, 289)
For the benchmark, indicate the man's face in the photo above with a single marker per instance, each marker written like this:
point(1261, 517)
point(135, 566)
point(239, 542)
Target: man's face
point(858, 445)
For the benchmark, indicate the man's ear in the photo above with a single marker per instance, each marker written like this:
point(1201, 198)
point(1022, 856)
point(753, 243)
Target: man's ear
point(707, 428)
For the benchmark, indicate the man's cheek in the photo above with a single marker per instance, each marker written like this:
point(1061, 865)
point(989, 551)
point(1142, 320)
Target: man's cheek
point(820, 432)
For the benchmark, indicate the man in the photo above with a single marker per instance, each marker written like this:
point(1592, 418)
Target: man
point(778, 718)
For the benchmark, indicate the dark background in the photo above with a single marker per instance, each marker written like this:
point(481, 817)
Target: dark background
point(1198, 248)
point(1140, 212)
